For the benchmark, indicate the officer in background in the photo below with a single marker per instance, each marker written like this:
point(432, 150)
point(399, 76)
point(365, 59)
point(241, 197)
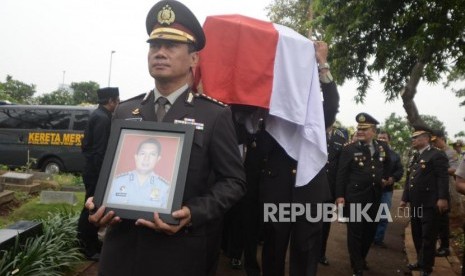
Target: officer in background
point(215, 175)
point(396, 173)
point(142, 187)
point(335, 139)
point(427, 191)
point(277, 185)
point(460, 187)
point(362, 173)
point(439, 140)
point(94, 146)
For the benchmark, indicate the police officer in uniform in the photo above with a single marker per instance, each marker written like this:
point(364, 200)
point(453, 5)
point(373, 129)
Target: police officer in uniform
point(215, 175)
point(277, 185)
point(427, 192)
point(362, 173)
point(94, 146)
point(127, 189)
point(142, 186)
point(335, 141)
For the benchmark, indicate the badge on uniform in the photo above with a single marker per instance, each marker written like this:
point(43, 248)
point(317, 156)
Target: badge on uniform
point(382, 154)
point(155, 194)
point(188, 121)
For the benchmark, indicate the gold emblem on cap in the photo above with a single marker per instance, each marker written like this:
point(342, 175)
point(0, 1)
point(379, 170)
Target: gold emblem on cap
point(166, 15)
point(361, 118)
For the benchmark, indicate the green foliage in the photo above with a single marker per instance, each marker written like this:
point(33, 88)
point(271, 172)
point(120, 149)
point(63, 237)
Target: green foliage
point(400, 132)
point(85, 92)
point(294, 14)
point(390, 37)
point(53, 253)
point(33, 210)
point(67, 179)
point(16, 91)
point(58, 97)
point(79, 93)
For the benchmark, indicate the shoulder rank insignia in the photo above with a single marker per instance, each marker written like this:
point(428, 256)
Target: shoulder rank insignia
point(203, 96)
point(163, 180)
point(349, 143)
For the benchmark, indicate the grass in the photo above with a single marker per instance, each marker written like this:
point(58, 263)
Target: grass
point(32, 209)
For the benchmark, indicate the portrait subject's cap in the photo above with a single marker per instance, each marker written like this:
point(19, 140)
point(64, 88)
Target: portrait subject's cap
point(172, 20)
point(421, 129)
point(365, 120)
point(107, 92)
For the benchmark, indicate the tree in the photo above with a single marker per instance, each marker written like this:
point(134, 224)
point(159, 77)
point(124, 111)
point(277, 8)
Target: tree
point(16, 91)
point(85, 92)
point(58, 97)
point(400, 132)
point(403, 40)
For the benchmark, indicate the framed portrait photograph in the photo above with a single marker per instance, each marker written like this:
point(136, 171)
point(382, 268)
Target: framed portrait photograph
point(145, 169)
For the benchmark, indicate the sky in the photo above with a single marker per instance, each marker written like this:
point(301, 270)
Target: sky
point(53, 42)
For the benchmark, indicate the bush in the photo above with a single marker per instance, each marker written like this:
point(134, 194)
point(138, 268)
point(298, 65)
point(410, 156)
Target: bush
point(53, 253)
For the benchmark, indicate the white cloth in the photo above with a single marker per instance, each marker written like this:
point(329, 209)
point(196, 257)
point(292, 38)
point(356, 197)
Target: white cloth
point(296, 118)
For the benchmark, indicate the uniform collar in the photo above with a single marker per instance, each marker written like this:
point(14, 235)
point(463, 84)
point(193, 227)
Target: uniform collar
point(172, 97)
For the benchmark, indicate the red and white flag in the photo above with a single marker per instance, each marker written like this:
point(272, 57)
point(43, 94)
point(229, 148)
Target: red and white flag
point(253, 62)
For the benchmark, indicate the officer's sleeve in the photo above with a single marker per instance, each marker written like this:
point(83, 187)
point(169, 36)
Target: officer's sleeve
point(440, 166)
point(398, 170)
point(330, 102)
point(343, 172)
point(387, 165)
point(229, 173)
point(405, 195)
point(101, 135)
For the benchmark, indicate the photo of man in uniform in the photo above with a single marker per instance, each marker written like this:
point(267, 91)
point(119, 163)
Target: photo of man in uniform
point(142, 186)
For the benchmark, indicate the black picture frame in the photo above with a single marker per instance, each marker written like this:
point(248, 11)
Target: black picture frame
point(117, 191)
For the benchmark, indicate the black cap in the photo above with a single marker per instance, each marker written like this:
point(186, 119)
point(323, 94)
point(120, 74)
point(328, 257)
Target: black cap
point(438, 133)
point(421, 129)
point(171, 20)
point(107, 93)
point(365, 120)
point(458, 143)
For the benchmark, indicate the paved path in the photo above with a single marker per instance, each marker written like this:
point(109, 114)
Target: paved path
point(381, 261)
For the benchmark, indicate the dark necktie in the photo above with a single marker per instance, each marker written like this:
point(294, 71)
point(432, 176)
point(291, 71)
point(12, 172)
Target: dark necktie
point(416, 156)
point(161, 111)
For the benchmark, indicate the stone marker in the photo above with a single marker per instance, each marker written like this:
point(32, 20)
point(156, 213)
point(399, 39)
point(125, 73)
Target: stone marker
point(17, 178)
point(48, 197)
point(23, 228)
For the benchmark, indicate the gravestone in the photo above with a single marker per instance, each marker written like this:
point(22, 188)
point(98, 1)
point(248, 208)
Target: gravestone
point(17, 178)
point(20, 182)
point(47, 197)
point(23, 229)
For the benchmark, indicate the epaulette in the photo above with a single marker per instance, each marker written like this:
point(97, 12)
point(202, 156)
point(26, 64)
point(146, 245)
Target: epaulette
point(203, 96)
point(349, 143)
point(163, 180)
point(338, 132)
point(134, 98)
point(122, 174)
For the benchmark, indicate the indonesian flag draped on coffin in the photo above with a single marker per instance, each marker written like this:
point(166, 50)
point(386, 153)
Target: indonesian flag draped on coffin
point(252, 62)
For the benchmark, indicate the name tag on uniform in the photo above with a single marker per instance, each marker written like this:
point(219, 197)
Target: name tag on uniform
point(188, 121)
point(133, 119)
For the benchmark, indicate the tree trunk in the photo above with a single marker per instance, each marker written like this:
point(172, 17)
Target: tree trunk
point(408, 95)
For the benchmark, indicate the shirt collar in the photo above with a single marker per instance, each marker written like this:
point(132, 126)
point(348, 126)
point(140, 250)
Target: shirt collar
point(172, 97)
point(423, 149)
